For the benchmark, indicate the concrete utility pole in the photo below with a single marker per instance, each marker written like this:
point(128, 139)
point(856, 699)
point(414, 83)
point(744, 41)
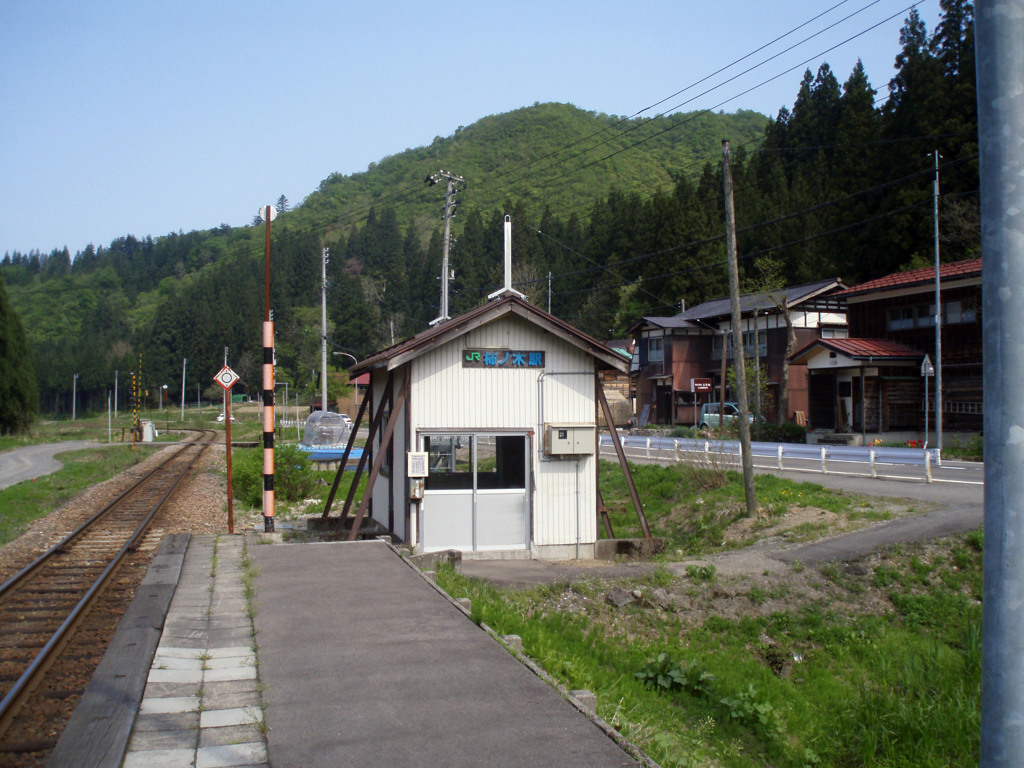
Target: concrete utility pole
point(324, 253)
point(938, 318)
point(448, 210)
point(999, 47)
point(739, 362)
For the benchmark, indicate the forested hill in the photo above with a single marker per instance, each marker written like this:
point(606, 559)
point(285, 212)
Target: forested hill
point(612, 219)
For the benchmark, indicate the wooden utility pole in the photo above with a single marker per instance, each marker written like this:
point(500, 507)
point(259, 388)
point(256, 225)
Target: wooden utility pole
point(737, 329)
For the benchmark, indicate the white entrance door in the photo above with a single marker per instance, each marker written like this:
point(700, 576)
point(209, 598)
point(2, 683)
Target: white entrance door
point(475, 495)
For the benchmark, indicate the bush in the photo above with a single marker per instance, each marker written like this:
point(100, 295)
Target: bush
point(293, 478)
point(790, 432)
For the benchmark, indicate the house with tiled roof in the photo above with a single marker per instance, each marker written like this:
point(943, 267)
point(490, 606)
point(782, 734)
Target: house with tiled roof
point(871, 384)
point(678, 360)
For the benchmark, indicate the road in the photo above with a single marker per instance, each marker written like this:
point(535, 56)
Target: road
point(34, 461)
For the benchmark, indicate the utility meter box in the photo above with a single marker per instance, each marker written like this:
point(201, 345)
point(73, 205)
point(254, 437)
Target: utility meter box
point(569, 439)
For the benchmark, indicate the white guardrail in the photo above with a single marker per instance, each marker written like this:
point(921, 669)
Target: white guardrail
point(678, 448)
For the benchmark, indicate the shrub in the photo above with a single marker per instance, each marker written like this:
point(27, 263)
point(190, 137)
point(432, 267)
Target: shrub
point(790, 432)
point(293, 478)
point(669, 675)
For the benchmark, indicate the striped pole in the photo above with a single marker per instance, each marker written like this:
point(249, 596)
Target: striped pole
point(268, 426)
point(268, 213)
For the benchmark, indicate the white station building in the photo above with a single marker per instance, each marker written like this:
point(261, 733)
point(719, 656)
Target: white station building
point(488, 424)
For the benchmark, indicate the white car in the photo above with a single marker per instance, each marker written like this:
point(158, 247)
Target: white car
point(346, 419)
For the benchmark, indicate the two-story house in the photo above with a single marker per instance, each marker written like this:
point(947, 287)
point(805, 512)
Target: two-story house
point(872, 383)
point(671, 354)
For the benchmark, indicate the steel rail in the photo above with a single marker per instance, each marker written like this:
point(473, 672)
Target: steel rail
point(14, 698)
point(8, 586)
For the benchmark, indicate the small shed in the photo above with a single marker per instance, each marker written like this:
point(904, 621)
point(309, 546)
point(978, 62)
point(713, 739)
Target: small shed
point(484, 435)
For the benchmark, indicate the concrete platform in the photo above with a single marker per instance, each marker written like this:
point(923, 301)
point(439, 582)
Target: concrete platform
point(345, 655)
point(364, 663)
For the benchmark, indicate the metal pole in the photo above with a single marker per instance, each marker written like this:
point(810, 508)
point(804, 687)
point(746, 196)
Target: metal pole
point(184, 360)
point(323, 329)
point(999, 32)
point(938, 319)
point(115, 394)
point(739, 363)
point(74, 395)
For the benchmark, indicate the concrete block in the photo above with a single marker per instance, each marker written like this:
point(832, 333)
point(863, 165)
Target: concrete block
point(513, 641)
point(466, 603)
point(609, 549)
point(585, 699)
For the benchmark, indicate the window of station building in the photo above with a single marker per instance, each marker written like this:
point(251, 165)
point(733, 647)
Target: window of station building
point(498, 462)
point(449, 461)
point(501, 462)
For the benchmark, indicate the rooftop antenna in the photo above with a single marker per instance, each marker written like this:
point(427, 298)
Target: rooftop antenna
point(508, 266)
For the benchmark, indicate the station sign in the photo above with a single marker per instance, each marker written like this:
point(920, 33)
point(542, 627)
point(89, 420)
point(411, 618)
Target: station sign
point(502, 358)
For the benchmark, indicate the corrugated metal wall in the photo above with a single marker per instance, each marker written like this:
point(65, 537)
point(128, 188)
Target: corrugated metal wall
point(447, 396)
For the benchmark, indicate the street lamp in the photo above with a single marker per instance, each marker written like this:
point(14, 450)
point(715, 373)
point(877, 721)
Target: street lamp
point(346, 354)
point(163, 394)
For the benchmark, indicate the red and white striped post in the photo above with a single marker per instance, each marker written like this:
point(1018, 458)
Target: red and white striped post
point(268, 213)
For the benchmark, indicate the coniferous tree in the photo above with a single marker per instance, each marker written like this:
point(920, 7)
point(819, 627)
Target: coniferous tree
point(19, 395)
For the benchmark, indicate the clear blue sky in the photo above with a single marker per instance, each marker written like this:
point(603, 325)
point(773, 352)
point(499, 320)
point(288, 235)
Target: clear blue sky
point(144, 118)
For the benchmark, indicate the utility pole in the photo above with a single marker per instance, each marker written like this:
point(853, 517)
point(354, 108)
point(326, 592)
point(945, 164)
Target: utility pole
point(938, 318)
point(184, 361)
point(549, 293)
point(74, 395)
point(739, 363)
point(999, 30)
point(115, 394)
point(448, 213)
point(324, 253)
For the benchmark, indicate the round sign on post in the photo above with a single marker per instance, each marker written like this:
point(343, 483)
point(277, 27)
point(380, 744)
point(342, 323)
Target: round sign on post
point(263, 212)
point(226, 378)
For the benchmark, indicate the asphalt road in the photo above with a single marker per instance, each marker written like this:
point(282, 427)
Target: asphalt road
point(34, 461)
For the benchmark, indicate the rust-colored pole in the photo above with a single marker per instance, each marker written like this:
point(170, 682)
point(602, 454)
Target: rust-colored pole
point(227, 441)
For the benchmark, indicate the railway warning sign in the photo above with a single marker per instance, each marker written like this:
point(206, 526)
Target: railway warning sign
point(226, 378)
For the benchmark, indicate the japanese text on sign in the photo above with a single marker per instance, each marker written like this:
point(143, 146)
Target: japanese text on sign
point(502, 358)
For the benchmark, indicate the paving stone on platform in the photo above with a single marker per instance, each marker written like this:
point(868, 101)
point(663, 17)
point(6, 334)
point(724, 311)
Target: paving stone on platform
point(169, 706)
point(219, 718)
point(160, 758)
point(231, 755)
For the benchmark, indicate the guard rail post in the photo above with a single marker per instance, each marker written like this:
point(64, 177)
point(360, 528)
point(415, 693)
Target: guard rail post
point(824, 466)
point(780, 457)
point(927, 467)
point(874, 471)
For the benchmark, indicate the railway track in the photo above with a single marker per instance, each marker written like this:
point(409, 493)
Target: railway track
point(58, 612)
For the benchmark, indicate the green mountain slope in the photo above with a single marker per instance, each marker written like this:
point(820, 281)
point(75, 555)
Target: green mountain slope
point(547, 155)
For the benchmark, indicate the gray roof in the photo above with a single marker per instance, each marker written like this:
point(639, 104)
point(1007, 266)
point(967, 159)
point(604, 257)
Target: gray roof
point(721, 309)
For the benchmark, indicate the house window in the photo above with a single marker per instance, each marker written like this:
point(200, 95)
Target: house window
point(901, 318)
point(748, 343)
point(926, 316)
point(963, 311)
point(655, 349)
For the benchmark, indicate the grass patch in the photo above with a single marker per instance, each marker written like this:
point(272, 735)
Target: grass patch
point(691, 505)
point(821, 683)
point(32, 499)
